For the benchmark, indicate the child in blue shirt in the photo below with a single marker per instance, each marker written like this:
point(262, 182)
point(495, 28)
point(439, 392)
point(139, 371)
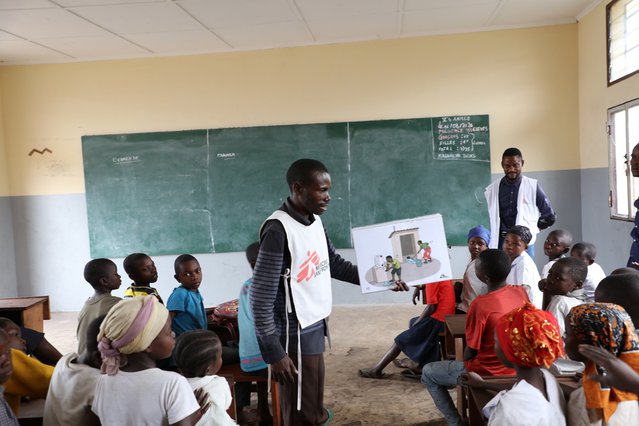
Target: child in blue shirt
point(185, 303)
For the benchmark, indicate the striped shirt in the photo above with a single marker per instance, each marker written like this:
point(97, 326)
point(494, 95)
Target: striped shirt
point(142, 290)
point(268, 297)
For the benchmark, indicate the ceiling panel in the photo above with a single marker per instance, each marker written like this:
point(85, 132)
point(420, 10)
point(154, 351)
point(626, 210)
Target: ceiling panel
point(94, 47)
point(430, 21)
point(410, 5)
point(139, 18)
point(26, 4)
point(369, 27)
point(316, 10)
point(44, 23)
point(266, 35)
point(522, 12)
point(239, 13)
point(71, 3)
point(21, 51)
point(180, 42)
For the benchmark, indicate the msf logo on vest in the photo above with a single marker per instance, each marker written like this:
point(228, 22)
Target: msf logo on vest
point(312, 267)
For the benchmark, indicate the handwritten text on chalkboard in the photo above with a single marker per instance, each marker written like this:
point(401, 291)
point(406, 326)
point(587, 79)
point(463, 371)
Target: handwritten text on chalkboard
point(461, 137)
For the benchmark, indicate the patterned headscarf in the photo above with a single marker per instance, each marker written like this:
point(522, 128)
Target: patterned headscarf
point(607, 326)
point(529, 337)
point(481, 232)
point(130, 326)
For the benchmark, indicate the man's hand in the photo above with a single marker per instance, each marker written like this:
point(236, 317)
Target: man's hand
point(400, 286)
point(417, 293)
point(284, 370)
point(617, 374)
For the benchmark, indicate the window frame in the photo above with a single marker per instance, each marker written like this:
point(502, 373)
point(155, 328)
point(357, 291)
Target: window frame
point(608, 45)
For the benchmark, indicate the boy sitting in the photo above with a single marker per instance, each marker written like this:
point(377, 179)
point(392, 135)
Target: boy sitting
point(141, 269)
point(103, 276)
point(523, 270)
point(185, 303)
point(492, 267)
point(564, 285)
point(587, 253)
point(556, 246)
point(73, 384)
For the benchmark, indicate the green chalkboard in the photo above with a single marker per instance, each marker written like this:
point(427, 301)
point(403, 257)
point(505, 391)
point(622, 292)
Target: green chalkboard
point(205, 191)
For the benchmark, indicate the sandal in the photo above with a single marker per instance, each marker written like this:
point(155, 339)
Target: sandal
point(369, 373)
point(404, 363)
point(411, 374)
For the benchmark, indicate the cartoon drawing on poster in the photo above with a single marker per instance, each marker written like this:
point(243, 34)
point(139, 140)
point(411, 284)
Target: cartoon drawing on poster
point(411, 250)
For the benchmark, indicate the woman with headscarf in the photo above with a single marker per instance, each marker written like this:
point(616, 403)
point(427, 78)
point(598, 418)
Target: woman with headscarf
point(132, 390)
point(607, 326)
point(528, 340)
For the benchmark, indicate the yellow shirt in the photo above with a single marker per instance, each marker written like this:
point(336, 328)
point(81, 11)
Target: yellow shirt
point(30, 378)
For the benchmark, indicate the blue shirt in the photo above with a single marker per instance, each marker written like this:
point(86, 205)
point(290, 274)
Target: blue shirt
point(188, 307)
point(250, 355)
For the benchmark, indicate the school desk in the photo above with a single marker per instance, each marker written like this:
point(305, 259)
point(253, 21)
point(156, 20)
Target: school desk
point(28, 312)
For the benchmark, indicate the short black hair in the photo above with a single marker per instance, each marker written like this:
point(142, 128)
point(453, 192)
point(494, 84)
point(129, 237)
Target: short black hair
point(303, 170)
point(92, 333)
point(495, 264)
point(6, 322)
point(512, 152)
point(195, 350)
point(522, 232)
point(563, 236)
point(96, 269)
point(624, 270)
point(578, 269)
point(623, 290)
point(587, 250)
point(183, 258)
point(251, 253)
point(132, 260)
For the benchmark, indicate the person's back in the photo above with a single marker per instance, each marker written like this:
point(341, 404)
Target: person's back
point(102, 275)
point(73, 383)
point(622, 290)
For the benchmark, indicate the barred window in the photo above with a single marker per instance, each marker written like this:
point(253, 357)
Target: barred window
point(623, 134)
point(623, 39)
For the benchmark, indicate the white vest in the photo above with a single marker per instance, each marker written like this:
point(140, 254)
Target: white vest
point(527, 211)
point(310, 276)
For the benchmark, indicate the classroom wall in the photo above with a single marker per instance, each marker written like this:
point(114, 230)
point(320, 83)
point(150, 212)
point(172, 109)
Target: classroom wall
point(524, 79)
point(610, 236)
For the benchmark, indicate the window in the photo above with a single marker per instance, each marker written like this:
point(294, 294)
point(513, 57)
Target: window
point(623, 39)
point(623, 133)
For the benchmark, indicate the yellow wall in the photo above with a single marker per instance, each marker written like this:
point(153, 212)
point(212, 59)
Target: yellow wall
point(4, 175)
point(525, 79)
point(595, 97)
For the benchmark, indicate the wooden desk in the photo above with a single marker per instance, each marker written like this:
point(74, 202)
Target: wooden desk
point(28, 312)
point(455, 336)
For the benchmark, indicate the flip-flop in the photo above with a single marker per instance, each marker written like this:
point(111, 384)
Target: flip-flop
point(403, 363)
point(369, 374)
point(411, 374)
point(330, 417)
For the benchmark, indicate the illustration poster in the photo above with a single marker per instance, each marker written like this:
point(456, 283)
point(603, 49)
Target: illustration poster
point(412, 250)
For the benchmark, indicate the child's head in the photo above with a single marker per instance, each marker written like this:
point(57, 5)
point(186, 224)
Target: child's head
point(566, 275)
point(624, 270)
point(623, 290)
point(102, 274)
point(557, 243)
point(584, 251)
point(528, 337)
point(492, 266)
point(605, 325)
point(188, 272)
point(140, 268)
point(198, 353)
point(251, 253)
point(516, 241)
point(14, 334)
point(5, 352)
point(478, 240)
point(389, 258)
point(139, 324)
point(91, 355)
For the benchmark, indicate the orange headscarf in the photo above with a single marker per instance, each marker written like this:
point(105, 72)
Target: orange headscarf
point(529, 337)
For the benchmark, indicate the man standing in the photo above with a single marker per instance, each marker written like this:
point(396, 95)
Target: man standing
point(516, 200)
point(293, 273)
point(633, 261)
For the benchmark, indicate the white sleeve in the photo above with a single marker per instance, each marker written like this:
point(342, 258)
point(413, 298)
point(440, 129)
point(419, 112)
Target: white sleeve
point(179, 399)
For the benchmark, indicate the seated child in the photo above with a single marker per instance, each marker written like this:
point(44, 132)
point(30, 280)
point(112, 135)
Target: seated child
point(395, 267)
point(198, 355)
point(528, 340)
point(564, 286)
point(30, 377)
point(73, 383)
point(587, 252)
point(523, 269)
point(622, 290)
point(251, 360)
point(141, 269)
point(131, 390)
point(185, 303)
point(492, 267)
point(7, 418)
point(421, 341)
point(478, 241)
point(609, 327)
point(103, 276)
point(556, 246)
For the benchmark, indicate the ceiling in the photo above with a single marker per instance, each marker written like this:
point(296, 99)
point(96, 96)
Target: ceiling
point(53, 31)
